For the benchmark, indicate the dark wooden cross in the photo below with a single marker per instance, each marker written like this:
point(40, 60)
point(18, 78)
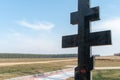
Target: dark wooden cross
point(85, 39)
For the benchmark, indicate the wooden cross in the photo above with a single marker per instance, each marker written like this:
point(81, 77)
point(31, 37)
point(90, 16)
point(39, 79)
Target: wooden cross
point(84, 39)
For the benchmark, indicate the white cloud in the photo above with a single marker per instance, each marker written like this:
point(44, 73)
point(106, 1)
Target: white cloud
point(37, 25)
point(113, 25)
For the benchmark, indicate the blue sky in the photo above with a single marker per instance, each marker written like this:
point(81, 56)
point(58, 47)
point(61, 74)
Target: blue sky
point(37, 26)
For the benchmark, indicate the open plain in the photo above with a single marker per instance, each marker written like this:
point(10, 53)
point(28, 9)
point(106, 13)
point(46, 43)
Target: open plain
point(10, 68)
point(107, 68)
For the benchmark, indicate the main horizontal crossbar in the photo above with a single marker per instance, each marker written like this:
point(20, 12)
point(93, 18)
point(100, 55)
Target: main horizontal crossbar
point(94, 39)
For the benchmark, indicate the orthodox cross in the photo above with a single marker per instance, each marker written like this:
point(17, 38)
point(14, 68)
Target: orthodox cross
point(85, 39)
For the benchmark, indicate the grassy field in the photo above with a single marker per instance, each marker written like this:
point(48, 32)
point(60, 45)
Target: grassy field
point(112, 61)
point(27, 69)
point(105, 75)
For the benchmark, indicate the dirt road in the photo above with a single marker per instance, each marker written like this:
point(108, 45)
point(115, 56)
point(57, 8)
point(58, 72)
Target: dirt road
point(106, 68)
point(38, 62)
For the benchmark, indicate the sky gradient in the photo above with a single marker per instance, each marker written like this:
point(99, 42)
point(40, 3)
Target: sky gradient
point(37, 26)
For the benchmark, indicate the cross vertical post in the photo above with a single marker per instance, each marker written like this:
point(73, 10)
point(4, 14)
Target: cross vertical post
point(81, 71)
point(84, 39)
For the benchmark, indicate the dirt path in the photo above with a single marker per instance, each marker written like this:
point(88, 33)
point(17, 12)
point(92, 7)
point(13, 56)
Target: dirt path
point(38, 62)
point(106, 68)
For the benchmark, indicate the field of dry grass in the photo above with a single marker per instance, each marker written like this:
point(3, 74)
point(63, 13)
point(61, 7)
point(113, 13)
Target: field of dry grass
point(111, 61)
point(104, 75)
point(35, 68)
point(27, 69)
point(107, 61)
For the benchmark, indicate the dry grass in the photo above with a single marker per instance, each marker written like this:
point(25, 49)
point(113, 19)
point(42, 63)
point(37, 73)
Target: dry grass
point(27, 69)
point(72, 78)
point(107, 61)
point(104, 75)
point(110, 61)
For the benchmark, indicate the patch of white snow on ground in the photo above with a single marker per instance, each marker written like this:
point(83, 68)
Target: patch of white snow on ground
point(55, 75)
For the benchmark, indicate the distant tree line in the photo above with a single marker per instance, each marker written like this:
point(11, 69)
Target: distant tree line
point(117, 54)
point(6, 55)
